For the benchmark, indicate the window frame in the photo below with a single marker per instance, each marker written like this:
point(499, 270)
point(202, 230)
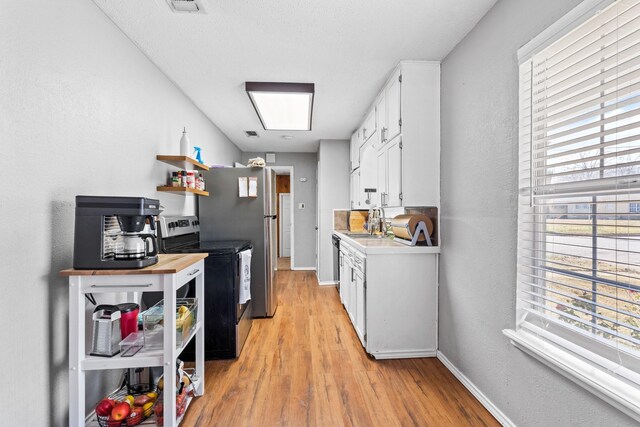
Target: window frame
point(566, 357)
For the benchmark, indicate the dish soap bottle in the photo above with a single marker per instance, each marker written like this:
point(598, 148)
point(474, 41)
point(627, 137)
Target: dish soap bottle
point(184, 144)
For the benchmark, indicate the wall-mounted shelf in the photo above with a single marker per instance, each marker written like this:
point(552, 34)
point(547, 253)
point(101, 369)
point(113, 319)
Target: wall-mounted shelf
point(182, 162)
point(182, 190)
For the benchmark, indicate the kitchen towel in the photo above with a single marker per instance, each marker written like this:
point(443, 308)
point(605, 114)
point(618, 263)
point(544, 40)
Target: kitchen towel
point(245, 277)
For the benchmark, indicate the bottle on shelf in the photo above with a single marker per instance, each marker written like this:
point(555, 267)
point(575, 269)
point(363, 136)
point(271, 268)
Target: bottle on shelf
point(185, 144)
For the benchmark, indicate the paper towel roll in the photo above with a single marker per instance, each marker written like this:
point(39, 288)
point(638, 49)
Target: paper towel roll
point(399, 225)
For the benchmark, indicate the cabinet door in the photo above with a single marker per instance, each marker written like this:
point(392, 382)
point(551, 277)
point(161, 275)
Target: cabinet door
point(343, 277)
point(360, 308)
point(355, 190)
point(393, 195)
point(351, 304)
point(368, 171)
point(393, 94)
point(382, 177)
point(381, 118)
point(355, 151)
point(369, 126)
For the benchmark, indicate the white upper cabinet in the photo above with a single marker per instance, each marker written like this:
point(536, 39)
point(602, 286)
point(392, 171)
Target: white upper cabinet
point(381, 118)
point(389, 173)
point(355, 151)
point(368, 172)
point(393, 95)
point(369, 126)
point(356, 199)
point(403, 126)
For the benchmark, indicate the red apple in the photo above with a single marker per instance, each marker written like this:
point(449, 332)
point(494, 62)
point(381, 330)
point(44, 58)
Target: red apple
point(135, 417)
point(104, 407)
point(120, 411)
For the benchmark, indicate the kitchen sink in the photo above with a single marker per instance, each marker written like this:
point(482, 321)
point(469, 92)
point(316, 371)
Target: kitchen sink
point(363, 236)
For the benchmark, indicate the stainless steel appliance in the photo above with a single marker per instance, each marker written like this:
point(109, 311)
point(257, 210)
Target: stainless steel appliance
point(226, 321)
point(226, 216)
point(106, 331)
point(110, 232)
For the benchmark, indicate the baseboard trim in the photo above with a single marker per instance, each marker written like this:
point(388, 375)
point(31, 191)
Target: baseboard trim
point(327, 283)
point(484, 400)
point(304, 268)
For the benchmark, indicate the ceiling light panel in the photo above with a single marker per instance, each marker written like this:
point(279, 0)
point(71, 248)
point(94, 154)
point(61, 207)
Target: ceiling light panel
point(282, 106)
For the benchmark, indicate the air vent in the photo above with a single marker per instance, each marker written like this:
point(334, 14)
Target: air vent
point(251, 134)
point(188, 6)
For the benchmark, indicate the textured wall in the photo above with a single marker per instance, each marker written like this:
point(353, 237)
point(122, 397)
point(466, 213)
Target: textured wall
point(82, 111)
point(479, 193)
point(304, 220)
point(333, 193)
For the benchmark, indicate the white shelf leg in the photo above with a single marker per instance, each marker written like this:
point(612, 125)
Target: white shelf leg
point(169, 285)
point(200, 333)
point(76, 352)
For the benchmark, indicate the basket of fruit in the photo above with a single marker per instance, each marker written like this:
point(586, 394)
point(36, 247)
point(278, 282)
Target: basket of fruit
point(181, 406)
point(122, 409)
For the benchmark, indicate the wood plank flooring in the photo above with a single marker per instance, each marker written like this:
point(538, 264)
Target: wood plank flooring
point(306, 367)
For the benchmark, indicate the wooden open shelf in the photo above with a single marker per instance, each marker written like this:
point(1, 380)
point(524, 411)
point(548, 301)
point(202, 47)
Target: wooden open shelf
point(182, 162)
point(182, 190)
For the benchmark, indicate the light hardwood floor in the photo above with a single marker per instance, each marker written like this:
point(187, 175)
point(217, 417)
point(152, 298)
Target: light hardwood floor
point(284, 263)
point(306, 367)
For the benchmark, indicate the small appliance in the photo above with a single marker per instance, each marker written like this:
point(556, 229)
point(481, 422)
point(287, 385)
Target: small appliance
point(112, 232)
point(106, 331)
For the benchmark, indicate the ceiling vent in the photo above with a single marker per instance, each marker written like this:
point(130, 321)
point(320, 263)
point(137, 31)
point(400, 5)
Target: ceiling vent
point(251, 134)
point(188, 6)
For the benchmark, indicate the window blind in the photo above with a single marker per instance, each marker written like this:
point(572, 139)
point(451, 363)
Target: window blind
point(579, 192)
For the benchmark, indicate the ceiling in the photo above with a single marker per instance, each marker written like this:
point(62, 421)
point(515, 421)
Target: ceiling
point(347, 48)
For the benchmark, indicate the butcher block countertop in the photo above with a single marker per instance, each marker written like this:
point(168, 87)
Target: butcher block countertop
point(167, 264)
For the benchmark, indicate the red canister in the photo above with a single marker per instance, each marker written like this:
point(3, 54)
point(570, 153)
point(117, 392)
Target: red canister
point(128, 318)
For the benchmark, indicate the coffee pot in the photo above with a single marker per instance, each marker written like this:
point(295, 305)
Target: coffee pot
point(135, 246)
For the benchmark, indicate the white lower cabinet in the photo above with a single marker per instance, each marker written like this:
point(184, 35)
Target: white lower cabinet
point(392, 301)
point(360, 307)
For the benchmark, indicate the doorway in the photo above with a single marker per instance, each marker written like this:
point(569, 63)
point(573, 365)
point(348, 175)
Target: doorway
point(285, 224)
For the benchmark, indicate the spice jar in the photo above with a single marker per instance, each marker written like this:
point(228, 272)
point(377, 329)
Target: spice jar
point(191, 179)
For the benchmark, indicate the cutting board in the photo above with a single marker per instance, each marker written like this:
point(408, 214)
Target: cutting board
point(357, 220)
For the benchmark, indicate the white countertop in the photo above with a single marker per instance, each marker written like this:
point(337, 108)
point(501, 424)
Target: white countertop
point(373, 245)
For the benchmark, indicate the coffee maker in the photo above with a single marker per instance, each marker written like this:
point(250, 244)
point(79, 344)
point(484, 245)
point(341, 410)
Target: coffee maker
point(110, 232)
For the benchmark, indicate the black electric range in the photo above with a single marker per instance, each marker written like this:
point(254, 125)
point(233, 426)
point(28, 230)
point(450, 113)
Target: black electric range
point(226, 322)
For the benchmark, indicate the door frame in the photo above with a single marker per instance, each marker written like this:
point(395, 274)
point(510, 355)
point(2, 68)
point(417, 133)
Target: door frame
point(281, 170)
point(281, 196)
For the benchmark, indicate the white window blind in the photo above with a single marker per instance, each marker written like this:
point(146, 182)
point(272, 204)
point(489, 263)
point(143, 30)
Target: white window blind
point(579, 182)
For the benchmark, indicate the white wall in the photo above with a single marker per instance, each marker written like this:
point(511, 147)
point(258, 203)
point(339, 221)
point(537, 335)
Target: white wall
point(304, 220)
point(333, 193)
point(82, 111)
point(479, 204)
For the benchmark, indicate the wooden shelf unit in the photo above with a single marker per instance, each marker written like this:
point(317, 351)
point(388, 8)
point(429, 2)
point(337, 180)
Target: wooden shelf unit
point(182, 162)
point(182, 190)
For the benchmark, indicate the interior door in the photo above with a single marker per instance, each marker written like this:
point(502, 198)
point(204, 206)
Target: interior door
point(285, 225)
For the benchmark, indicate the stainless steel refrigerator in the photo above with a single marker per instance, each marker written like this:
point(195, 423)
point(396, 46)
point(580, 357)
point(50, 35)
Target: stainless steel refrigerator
point(224, 215)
